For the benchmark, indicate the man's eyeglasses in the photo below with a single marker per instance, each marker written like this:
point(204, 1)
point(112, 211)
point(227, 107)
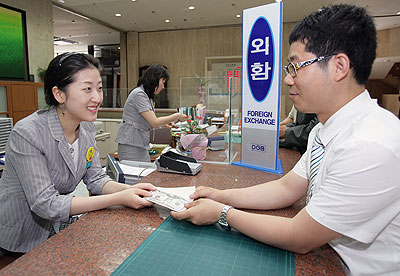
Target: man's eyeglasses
point(292, 68)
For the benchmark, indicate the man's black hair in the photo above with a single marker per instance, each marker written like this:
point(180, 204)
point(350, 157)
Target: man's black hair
point(340, 29)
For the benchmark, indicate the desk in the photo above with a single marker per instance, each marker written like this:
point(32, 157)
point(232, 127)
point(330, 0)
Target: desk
point(100, 241)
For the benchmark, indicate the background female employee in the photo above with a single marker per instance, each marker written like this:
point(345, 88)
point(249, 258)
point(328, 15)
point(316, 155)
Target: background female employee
point(139, 117)
point(49, 152)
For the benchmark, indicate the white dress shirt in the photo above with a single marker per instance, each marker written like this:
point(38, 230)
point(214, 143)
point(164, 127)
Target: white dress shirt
point(357, 190)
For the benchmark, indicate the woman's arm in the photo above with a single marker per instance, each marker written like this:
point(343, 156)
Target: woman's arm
point(113, 193)
point(155, 121)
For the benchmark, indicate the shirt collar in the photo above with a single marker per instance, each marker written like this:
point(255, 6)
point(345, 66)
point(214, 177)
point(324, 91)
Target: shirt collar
point(54, 124)
point(342, 117)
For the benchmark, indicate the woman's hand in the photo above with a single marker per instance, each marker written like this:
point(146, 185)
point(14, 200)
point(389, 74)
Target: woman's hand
point(133, 196)
point(179, 117)
point(200, 212)
point(144, 186)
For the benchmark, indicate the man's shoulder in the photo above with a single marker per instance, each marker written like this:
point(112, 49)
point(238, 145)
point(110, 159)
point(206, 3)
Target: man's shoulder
point(377, 127)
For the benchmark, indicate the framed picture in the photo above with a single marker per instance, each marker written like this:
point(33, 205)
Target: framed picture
point(13, 44)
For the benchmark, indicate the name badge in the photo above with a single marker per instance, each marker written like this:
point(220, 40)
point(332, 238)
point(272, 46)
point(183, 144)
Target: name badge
point(89, 157)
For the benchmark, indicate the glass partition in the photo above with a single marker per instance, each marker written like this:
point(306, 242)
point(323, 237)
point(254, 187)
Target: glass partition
point(218, 101)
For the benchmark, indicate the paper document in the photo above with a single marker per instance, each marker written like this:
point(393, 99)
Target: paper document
point(172, 198)
point(136, 171)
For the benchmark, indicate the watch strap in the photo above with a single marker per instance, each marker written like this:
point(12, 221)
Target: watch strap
point(222, 218)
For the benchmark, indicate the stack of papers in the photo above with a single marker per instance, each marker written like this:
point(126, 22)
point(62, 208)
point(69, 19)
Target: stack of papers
point(135, 171)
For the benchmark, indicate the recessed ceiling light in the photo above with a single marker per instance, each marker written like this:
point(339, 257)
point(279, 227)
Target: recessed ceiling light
point(166, 20)
point(118, 14)
point(191, 7)
point(398, 13)
point(238, 15)
point(133, 0)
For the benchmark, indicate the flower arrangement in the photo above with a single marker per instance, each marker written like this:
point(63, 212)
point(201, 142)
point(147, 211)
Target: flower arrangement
point(193, 137)
point(193, 126)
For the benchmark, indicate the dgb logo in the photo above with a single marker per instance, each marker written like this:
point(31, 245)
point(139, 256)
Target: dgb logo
point(258, 147)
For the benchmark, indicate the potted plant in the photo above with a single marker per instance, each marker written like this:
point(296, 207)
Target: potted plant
point(41, 72)
point(202, 83)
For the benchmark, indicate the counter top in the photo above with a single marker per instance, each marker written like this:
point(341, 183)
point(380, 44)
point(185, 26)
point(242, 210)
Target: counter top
point(100, 241)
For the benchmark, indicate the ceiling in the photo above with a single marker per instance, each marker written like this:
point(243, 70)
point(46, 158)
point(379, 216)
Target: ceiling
point(93, 22)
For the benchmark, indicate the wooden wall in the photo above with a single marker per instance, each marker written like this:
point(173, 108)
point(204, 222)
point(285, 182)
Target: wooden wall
point(388, 42)
point(184, 53)
point(22, 98)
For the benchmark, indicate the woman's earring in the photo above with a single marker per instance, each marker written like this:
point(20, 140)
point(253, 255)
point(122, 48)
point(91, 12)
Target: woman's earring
point(62, 108)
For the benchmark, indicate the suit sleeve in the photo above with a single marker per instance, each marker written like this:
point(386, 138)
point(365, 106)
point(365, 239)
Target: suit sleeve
point(297, 135)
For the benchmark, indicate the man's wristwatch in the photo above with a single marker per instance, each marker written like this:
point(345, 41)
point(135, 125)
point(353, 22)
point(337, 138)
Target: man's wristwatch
point(222, 218)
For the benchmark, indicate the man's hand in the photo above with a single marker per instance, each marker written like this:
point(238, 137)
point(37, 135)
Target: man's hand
point(207, 192)
point(200, 212)
point(282, 130)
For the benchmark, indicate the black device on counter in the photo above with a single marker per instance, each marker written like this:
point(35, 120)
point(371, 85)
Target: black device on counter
point(173, 162)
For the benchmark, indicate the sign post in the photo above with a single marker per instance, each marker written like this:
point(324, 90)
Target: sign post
point(262, 36)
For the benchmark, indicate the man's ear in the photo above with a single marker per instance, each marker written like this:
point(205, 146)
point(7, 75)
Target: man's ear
point(342, 66)
point(58, 94)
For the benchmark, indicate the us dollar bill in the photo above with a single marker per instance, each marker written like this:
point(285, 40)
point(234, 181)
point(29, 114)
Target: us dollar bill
point(170, 201)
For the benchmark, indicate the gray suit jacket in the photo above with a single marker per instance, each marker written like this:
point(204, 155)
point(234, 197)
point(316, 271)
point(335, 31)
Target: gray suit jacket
point(39, 173)
point(134, 129)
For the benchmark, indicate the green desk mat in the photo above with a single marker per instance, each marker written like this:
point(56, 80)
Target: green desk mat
point(180, 248)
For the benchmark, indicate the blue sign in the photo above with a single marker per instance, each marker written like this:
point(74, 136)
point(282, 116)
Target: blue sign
point(260, 59)
point(261, 52)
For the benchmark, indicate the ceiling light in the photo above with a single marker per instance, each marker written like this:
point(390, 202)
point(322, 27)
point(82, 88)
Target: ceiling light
point(398, 13)
point(166, 20)
point(133, 0)
point(191, 7)
point(118, 14)
point(238, 15)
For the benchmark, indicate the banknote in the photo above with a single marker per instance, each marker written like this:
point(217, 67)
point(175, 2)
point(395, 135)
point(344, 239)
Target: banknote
point(170, 201)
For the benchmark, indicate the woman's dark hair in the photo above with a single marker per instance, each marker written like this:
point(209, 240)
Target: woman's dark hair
point(151, 77)
point(61, 72)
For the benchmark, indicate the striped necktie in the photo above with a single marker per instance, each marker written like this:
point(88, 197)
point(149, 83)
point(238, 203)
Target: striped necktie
point(317, 154)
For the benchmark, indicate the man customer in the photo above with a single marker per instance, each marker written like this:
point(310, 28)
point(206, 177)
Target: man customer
point(350, 171)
